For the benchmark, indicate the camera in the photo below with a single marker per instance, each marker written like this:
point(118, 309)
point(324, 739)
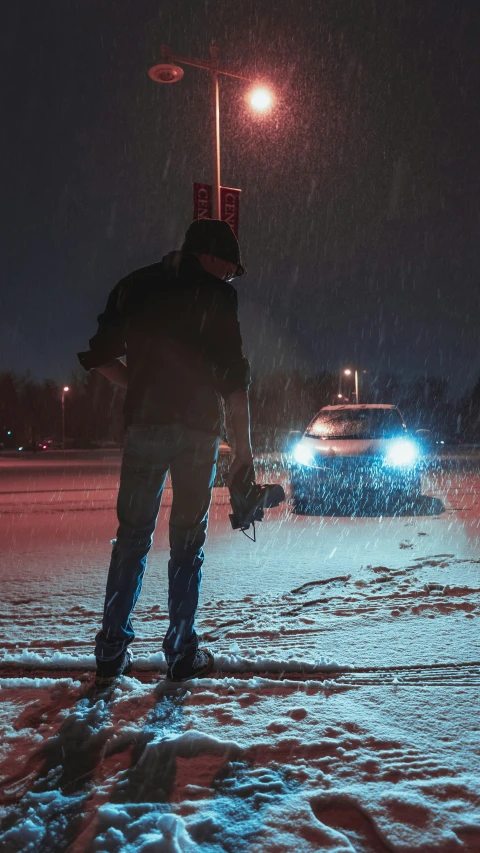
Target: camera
point(249, 499)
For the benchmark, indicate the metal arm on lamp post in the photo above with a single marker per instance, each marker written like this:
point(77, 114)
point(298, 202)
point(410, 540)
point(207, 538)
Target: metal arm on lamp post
point(168, 72)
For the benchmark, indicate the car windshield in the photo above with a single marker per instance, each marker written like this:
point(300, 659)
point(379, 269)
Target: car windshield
point(357, 423)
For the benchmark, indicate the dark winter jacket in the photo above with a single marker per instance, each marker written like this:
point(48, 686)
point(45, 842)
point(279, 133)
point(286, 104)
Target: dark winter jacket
point(178, 327)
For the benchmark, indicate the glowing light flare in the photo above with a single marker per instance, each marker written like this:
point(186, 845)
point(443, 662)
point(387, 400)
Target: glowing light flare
point(66, 388)
point(261, 100)
point(303, 455)
point(402, 454)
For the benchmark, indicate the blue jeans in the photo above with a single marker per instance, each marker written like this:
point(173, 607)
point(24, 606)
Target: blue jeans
point(149, 452)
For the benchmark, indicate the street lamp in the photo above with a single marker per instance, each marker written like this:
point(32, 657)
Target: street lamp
point(65, 389)
point(260, 99)
point(168, 72)
point(348, 372)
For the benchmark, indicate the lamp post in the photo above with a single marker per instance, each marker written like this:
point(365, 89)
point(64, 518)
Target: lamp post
point(65, 389)
point(168, 72)
point(348, 372)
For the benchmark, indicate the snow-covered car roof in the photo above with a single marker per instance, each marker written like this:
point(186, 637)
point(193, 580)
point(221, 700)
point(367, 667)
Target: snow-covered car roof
point(360, 406)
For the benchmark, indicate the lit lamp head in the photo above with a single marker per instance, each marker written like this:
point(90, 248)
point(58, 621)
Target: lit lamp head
point(260, 100)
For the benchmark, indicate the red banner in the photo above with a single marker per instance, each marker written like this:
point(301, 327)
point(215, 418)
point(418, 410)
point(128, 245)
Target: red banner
point(229, 204)
point(202, 201)
point(229, 207)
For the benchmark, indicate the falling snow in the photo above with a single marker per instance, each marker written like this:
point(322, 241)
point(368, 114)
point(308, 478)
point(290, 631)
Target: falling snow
point(342, 712)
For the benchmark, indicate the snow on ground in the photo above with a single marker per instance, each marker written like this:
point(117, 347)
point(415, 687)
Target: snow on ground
point(343, 713)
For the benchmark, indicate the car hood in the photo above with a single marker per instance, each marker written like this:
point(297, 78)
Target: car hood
point(349, 446)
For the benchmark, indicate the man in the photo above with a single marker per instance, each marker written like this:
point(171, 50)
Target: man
point(176, 321)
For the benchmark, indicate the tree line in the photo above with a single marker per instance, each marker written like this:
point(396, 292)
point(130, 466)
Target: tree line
point(30, 409)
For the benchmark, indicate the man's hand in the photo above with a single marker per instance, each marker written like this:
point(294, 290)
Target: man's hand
point(239, 462)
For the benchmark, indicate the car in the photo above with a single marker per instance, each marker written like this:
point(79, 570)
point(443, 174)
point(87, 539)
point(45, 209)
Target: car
point(50, 444)
point(355, 450)
point(223, 464)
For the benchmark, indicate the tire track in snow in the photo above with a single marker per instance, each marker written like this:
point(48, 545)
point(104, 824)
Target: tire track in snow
point(464, 674)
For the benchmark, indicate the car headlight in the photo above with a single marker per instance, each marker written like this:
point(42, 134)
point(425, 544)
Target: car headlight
point(402, 454)
point(303, 455)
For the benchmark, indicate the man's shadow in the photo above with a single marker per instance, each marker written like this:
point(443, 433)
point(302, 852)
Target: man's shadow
point(66, 762)
point(69, 762)
point(166, 717)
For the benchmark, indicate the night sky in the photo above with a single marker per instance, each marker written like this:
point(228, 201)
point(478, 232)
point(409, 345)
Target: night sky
point(359, 214)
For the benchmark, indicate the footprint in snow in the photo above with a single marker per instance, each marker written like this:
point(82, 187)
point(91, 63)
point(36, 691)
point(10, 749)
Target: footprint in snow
point(347, 818)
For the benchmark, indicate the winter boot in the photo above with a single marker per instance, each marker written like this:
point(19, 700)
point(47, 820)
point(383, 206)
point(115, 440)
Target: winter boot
point(184, 668)
point(109, 670)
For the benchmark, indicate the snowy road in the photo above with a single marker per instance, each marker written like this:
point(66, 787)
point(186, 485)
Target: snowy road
point(345, 716)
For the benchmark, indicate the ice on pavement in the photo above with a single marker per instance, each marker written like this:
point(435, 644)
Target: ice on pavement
point(343, 713)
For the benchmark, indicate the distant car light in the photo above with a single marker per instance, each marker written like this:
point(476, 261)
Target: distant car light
point(303, 455)
point(402, 454)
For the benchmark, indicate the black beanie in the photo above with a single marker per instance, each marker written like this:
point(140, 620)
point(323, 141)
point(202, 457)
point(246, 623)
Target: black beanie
point(214, 237)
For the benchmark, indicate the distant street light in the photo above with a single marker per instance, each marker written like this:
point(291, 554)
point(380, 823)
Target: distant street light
point(65, 389)
point(348, 372)
point(168, 72)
